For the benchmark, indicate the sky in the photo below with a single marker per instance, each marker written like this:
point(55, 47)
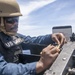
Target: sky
point(40, 16)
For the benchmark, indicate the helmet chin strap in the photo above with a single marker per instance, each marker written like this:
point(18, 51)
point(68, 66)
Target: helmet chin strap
point(2, 28)
point(2, 23)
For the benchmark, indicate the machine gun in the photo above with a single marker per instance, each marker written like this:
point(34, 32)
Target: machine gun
point(65, 62)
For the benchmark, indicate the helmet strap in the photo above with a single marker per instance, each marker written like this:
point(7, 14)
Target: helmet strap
point(2, 28)
point(2, 23)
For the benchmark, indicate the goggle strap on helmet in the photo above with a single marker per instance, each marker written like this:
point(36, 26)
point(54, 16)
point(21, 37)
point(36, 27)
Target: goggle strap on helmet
point(2, 23)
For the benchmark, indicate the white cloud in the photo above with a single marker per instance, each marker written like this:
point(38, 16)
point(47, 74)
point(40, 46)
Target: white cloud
point(71, 17)
point(60, 6)
point(67, 17)
point(33, 5)
point(34, 30)
point(30, 7)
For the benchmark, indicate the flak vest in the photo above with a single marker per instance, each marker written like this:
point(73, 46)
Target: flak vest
point(10, 47)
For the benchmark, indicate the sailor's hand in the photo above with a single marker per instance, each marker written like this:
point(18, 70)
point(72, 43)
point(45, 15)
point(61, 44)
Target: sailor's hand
point(59, 38)
point(48, 55)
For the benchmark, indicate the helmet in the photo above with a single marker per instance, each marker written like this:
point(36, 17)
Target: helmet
point(8, 8)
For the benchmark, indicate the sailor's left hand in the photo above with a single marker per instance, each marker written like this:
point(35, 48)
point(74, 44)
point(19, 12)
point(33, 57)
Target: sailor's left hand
point(59, 38)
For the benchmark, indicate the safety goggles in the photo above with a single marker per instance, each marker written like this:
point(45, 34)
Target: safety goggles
point(11, 20)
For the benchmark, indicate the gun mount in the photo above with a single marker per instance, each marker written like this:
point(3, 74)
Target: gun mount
point(64, 64)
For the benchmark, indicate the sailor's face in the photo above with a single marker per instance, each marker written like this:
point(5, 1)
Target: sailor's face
point(11, 24)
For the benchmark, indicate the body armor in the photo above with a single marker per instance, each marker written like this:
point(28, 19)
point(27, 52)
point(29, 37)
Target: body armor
point(10, 47)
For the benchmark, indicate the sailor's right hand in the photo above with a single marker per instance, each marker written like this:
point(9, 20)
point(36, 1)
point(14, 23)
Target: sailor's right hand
point(48, 55)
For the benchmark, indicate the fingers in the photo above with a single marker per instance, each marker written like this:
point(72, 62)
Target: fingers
point(59, 38)
point(55, 50)
point(55, 38)
point(50, 49)
point(55, 55)
point(63, 39)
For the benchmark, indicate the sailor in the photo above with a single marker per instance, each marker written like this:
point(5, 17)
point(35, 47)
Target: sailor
point(12, 43)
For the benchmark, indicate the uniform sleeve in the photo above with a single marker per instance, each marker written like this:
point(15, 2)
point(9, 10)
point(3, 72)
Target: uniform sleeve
point(16, 69)
point(45, 39)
